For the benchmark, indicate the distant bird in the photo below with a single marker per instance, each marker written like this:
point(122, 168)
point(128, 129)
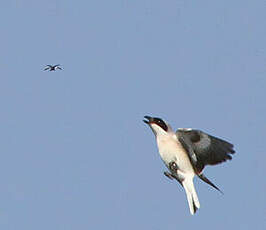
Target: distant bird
point(52, 67)
point(186, 152)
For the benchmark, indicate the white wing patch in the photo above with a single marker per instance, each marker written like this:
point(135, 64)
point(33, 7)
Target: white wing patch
point(185, 129)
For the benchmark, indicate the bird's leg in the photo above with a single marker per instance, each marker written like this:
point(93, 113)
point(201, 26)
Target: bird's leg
point(173, 172)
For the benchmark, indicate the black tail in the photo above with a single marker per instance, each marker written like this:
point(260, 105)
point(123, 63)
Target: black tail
point(205, 179)
point(194, 207)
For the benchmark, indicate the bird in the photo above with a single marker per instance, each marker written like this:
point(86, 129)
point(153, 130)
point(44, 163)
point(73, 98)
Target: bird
point(186, 152)
point(52, 67)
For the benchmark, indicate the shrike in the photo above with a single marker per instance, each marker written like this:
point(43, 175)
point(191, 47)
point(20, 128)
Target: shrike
point(186, 152)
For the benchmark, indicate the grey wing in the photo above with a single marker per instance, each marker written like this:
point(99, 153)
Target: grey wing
point(204, 149)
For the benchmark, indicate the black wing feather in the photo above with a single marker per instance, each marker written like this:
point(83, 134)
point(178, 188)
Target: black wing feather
point(204, 149)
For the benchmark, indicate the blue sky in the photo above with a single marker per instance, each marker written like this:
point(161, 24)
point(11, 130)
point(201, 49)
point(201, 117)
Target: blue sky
point(75, 153)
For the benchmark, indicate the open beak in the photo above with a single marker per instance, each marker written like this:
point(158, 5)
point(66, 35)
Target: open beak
point(149, 119)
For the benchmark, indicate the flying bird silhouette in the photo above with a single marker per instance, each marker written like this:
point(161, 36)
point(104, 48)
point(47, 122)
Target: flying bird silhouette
point(52, 67)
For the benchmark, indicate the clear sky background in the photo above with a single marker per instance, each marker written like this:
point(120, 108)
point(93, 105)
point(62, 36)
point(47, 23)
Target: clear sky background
point(75, 153)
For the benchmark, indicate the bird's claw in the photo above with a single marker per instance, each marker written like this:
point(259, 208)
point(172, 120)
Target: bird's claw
point(173, 167)
point(169, 175)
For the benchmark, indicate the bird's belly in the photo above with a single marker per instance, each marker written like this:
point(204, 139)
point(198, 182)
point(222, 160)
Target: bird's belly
point(172, 151)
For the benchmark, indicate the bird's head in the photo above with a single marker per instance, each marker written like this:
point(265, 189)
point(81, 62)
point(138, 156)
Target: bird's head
point(158, 125)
